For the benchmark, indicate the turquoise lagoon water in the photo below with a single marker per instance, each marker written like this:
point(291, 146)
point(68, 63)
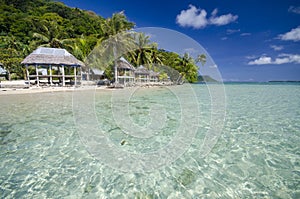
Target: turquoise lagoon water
point(257, 155)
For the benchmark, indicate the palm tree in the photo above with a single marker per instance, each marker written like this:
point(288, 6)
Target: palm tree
point(117, 42)
point(80, 47)
point(144, 49)
point(116, 24)
point(187, 68)
point(156, 56)
point(50, 34)
point(202, 59)
point(12, 52)
point(107, 51)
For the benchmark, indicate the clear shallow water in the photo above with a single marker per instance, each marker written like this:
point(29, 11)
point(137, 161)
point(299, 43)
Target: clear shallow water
point(256, 156)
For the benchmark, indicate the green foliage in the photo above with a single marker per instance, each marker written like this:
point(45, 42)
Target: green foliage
point(28, 24)
point(185, 65)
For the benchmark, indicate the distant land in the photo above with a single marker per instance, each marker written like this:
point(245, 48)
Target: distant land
point(206, 78)
point(284, 81)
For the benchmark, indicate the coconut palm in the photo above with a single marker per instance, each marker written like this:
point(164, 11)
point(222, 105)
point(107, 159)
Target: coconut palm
point(50, 34)
point(116, 24)
point(156, 56)
point(118, 41)
point(202, 59)
point(143, 53)
point(12, 52)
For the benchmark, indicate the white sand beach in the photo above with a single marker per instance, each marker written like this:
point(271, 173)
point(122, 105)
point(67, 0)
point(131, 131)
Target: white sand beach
point(20, 87)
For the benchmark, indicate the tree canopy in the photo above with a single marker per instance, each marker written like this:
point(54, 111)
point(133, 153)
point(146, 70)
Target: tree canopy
point(28, 24)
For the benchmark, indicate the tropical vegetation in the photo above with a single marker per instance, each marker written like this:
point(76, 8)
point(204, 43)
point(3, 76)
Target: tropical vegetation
point(28, 24)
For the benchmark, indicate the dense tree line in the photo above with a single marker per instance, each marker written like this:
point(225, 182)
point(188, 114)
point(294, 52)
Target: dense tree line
point(28, 24)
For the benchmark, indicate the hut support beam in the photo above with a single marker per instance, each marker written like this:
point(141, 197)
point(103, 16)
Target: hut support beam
point(63, 75)
point(50, 73)
point(81, 74)
point(27, 74)
point(75, 76)
point(37, 75)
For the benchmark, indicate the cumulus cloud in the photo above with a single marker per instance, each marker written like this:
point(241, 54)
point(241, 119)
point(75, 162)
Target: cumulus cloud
point(192, 17)
point(246, 34)
point(260, 61)
point(293, 35)
point(213, 66)
point(294, 9)
point(232, 31)
point(197, 18)
point(276, 48)
point(223, 19)
point(281, 59)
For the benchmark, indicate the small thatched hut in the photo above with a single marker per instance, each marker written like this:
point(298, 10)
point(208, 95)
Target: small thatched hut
point(56, 62)
point(142, 74)
point(125, 72)
point(154, 76)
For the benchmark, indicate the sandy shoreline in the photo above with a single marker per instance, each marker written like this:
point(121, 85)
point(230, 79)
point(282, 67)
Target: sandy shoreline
point(31, 90)
point(20, 87)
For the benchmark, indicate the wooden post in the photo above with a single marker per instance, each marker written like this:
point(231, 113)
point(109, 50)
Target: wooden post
point(81, 74)
point(88, 75)
point(51, 79)
point(63, 75)
point(37, 75)
point(75, 76)
point(27, 74)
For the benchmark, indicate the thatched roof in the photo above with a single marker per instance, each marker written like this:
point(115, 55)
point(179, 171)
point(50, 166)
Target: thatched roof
point(122, 63)
point(96, 71)
point(141, 70)
point(154, 74)
point(51, 56)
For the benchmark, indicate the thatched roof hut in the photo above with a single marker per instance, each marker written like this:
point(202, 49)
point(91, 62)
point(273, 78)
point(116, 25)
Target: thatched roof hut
point(51, 56)
point(125, 72)
point(122, 63)
point(142, 74)
point(154, 74)
point(141, 70)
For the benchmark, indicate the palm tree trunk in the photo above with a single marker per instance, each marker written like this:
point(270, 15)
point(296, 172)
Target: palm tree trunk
point(115, 67)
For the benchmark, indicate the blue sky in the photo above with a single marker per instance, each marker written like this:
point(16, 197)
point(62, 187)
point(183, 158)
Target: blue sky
point(248, 40)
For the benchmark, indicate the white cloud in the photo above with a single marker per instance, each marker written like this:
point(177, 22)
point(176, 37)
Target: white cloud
point(223, 19)
point(214, 12)
point(293, 35)
point(213, 66)
point(232, 31)
point(276, 48)
point(293, 58)
point(192, 17)
point(246, 34)
point(197, 18)
point(224, 38)
point(294, 9)
point(281, 59)
point(260, 61)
